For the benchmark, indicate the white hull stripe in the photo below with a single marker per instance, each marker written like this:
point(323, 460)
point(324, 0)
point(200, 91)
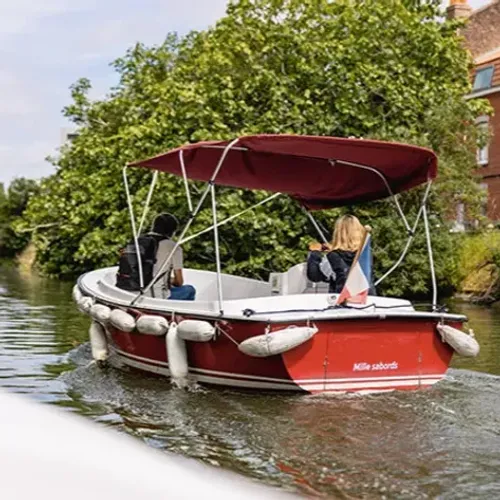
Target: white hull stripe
point(138, 358)
point(202, 371)
point(160, 370)
point(369, 385)
point(367, 379)
point(238, 375)
point(238, 380)
point(251, 384)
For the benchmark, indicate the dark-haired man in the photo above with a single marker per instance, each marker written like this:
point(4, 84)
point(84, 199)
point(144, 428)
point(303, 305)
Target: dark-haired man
point(171, 285)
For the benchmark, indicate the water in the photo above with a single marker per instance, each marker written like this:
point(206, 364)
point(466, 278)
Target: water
point(443, 442)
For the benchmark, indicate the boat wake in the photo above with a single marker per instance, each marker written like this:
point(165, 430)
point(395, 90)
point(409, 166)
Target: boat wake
point(413, 444)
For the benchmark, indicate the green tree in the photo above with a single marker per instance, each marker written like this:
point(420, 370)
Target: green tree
point(392, 70)
point(12, 205)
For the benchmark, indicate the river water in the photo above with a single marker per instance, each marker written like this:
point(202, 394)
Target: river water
point(443, 442)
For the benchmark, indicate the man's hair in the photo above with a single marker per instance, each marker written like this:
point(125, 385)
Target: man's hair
point(165, 224)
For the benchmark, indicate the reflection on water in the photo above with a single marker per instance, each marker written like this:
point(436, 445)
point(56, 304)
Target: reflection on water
point(443, 442)
point(485, 322)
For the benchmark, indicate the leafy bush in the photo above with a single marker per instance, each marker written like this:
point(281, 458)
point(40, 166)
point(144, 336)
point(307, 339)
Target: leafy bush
point(12, 204)
point(478, 271)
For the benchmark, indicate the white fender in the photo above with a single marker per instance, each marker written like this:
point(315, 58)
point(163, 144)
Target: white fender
point(77, 295)
point(98, 341)
point(463, 343)
point(84, 304)
point(195, 330)
point(100, 313)
point(152, 325)
point(122, 320)
point(277, 342)
point(177, 357)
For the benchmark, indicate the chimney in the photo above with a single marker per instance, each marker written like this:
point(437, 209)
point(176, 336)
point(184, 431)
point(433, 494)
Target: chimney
point(458, 9)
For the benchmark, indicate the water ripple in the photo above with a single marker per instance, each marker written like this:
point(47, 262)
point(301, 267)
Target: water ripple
point(443, 442)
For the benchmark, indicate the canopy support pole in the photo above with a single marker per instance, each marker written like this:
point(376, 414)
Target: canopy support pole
point(431, 260)
point(217, 250)
point(382, 176)
point(315, 224)
point(132, 222)
point(229, 219)
point(188, 224)
point(411, 236)
point(186, 185)
point(148, 201)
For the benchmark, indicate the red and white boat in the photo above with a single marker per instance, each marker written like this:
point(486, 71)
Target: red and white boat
point(286, 333)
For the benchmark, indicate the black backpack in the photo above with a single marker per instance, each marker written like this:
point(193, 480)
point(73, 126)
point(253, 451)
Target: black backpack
point(127, 277)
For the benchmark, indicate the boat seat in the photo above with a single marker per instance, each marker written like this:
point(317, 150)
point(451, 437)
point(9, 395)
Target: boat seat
point(316, 287)
point(294, 281)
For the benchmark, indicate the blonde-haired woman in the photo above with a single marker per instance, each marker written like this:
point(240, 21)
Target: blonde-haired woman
point(333, 268)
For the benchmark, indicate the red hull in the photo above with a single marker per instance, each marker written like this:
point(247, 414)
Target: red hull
point(344, 356)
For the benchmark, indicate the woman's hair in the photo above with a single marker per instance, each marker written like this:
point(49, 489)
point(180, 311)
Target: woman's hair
point(348, 234)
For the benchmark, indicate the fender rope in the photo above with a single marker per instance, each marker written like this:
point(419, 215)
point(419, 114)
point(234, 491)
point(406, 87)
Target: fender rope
point(221, 330)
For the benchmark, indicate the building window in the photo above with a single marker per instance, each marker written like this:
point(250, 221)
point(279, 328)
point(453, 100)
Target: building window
point(483, 149)
point(483, 78)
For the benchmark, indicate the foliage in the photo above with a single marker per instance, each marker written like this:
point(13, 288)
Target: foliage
point(12, 204)
point(269, 66)
point(479, 264)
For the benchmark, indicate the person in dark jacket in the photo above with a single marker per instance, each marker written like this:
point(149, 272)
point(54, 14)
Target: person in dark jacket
point(331, 262)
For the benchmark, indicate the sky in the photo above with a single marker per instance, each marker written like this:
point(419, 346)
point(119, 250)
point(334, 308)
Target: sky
point(46, 45)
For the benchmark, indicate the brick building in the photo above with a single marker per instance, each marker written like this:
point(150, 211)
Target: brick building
point(482, 35)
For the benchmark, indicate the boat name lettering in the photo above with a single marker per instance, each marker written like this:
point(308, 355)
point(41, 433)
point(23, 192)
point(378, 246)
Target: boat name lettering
point(364, 367)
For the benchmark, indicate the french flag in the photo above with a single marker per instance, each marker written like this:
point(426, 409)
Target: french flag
point(357, 284)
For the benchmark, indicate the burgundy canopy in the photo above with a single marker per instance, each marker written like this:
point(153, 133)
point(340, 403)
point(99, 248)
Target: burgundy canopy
point(309, 169)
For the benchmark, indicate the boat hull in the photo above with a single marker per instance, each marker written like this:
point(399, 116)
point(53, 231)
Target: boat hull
point(351, 355)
